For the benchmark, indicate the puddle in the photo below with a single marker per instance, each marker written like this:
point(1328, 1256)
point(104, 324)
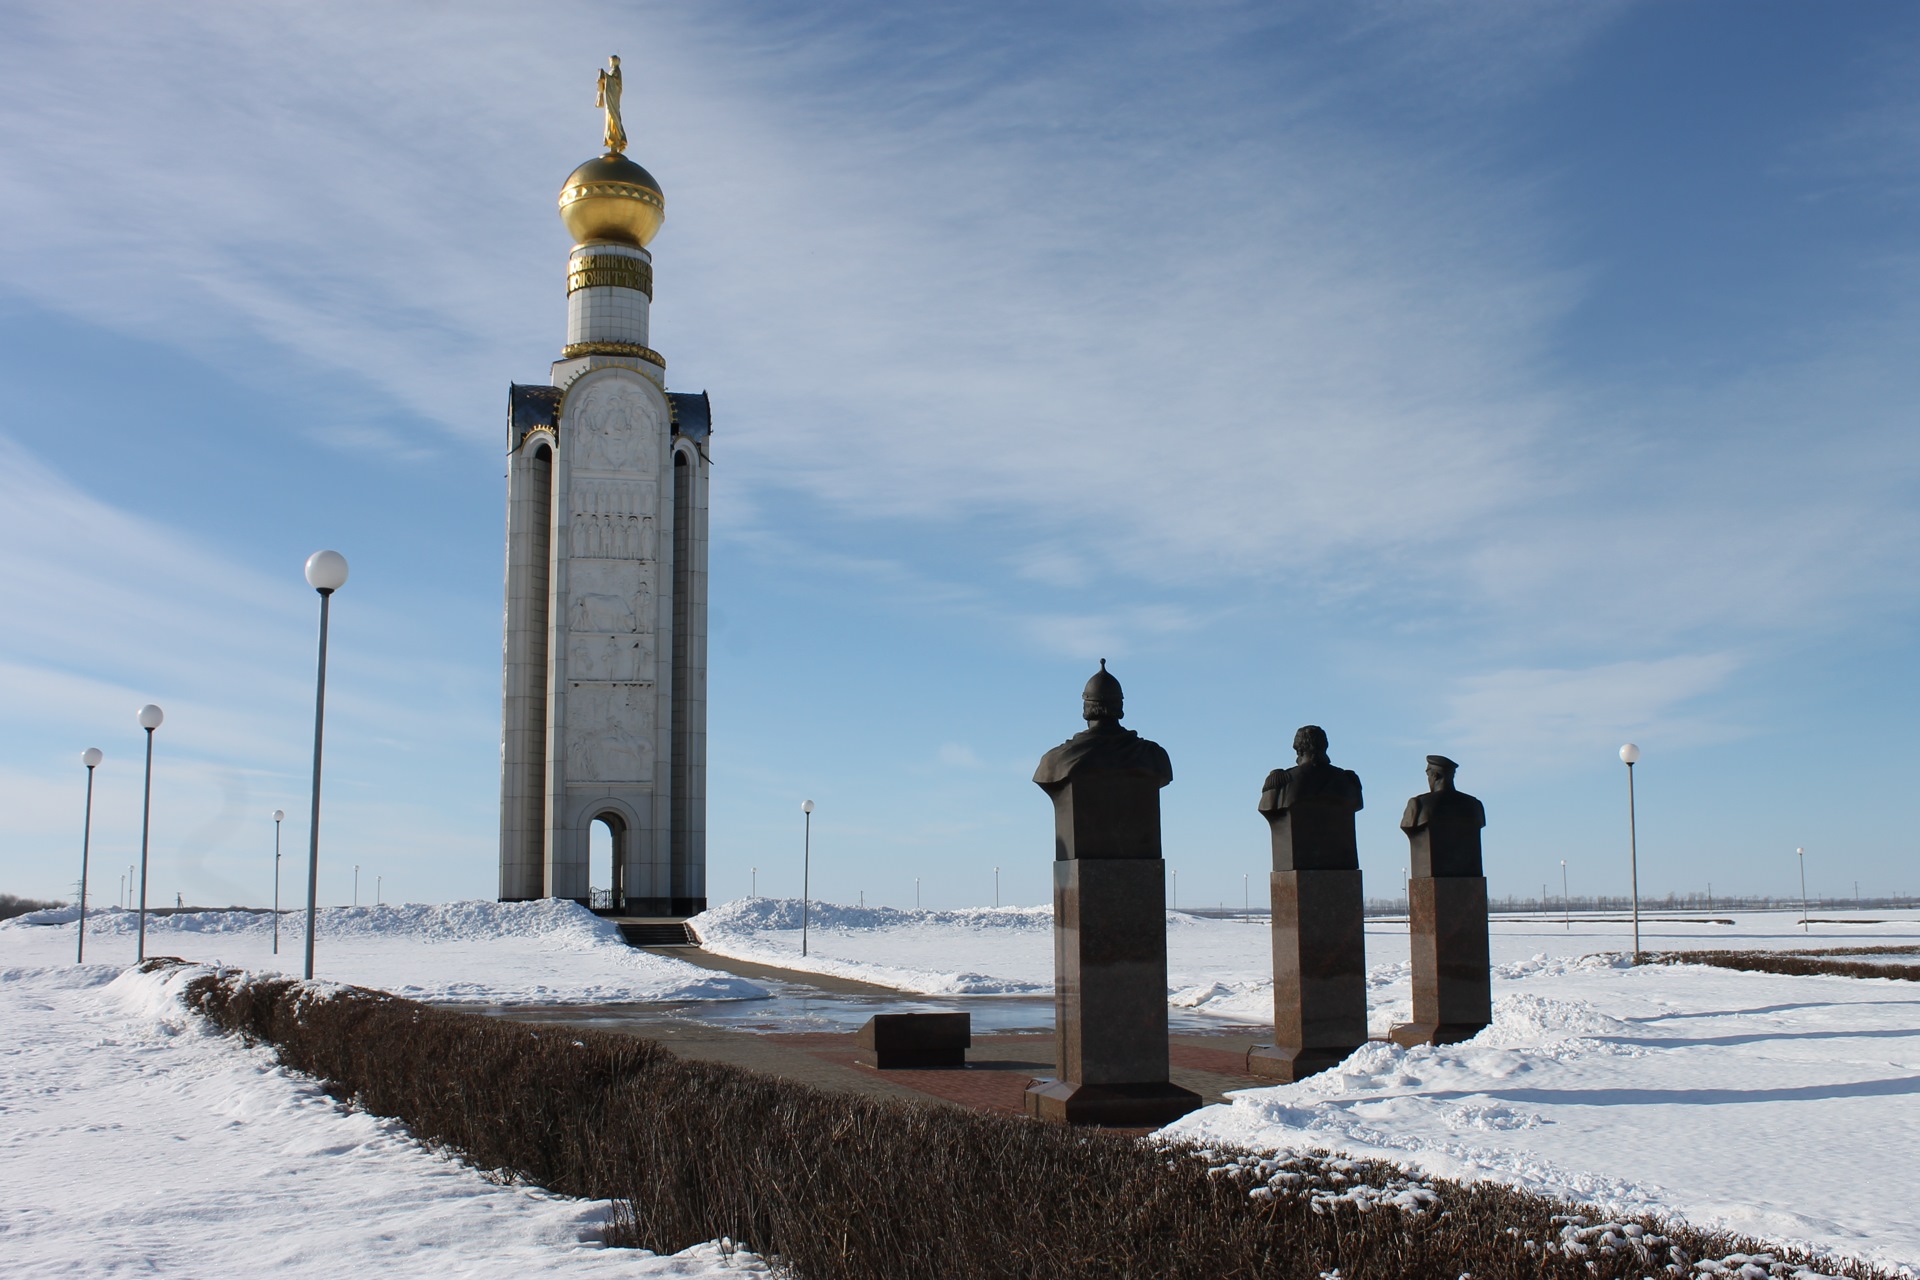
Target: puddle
point(794, 1008)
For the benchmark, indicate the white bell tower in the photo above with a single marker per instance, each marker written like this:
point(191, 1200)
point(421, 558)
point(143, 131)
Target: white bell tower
point(605, 671)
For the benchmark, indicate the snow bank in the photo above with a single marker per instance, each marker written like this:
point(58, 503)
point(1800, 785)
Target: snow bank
point(554, 920)
point(760, 915)
point(503, 953)
point(842, 942)
point(1737, 1101)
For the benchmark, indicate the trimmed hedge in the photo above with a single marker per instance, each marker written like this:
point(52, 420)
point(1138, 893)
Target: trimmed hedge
point(1796, 963)
point(839, 1187)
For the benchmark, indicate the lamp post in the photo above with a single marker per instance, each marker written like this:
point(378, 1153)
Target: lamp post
point(378, 883)
point(91, 758)
point(149, 717)
point(1628, 755)
point(916, 893)
point(1802, 855)
point(278, 814)
point(1566, 903)
point(996, 887)
point(1246, 895)
point(806, 870)
point(356, 884)
point(1175, 892)
point(753, 882)
point(326, 573)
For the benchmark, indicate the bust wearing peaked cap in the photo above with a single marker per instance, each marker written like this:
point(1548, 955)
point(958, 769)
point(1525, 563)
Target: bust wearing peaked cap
point(1443, 826)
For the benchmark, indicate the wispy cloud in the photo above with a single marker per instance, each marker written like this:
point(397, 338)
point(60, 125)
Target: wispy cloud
point(1542, 716)
point(1097, 328)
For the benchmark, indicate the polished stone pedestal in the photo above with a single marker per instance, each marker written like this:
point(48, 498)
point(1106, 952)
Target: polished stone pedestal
point(1452, 978)
point(1110, 997)
point(1319, 974)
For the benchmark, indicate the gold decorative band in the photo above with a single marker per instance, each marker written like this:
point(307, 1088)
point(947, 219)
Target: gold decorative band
point(610, 270)
point(618, 190)
point(574, 350)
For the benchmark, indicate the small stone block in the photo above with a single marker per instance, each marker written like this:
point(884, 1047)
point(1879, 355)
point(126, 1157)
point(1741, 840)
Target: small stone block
point(1117, 1106)
point(891, 1041)
point(1288, 1064)
point(1409, 1034)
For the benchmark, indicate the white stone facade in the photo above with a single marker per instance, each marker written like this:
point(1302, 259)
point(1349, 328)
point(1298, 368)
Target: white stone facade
point(604, 711)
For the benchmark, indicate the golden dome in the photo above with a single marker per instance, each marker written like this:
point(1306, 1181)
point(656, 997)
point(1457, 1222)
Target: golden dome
point(612, 198)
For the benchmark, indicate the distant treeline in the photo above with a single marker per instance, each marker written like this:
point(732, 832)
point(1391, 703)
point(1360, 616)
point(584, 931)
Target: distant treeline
point(1553, 905)
point(12, 905)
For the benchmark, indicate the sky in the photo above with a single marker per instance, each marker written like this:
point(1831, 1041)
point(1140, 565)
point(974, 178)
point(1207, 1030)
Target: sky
point(1503, 380)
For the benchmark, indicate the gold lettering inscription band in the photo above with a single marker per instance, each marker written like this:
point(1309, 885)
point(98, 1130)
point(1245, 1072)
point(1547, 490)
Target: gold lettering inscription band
point(607, 270)
point(574, 350)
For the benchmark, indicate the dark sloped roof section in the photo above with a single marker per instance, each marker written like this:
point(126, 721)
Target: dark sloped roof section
point(530, 408)
point(692, 414)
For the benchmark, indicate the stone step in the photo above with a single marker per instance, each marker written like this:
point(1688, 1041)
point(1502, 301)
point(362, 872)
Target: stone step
point(657, 933)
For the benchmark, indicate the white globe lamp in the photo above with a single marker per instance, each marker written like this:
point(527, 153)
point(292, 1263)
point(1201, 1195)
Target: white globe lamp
point(326, 571)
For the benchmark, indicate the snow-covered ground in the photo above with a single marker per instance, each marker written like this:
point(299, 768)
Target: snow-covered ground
point(136, 1141)
point(551, 952)
point(1786, 1107)
point(973, 951)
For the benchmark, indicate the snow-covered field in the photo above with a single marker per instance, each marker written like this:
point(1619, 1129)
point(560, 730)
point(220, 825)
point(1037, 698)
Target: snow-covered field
point(138, 1142)
point(1786, 1107)
point(550, 952)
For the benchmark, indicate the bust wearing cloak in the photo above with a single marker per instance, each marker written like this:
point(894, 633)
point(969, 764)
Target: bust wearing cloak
point(1105, 781)
point(1310, 808)
point(1443, 826)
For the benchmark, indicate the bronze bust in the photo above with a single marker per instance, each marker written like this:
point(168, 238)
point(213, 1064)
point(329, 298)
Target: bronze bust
point(1103, 746)
point(1443, 826)
point(1311, 808)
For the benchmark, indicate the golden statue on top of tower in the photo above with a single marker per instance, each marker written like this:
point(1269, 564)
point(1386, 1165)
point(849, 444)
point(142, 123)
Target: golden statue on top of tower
point(609, 97)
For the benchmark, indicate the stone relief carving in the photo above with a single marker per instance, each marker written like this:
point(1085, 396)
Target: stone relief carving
point(616, 497)
point(609, 537)
point(610, 734)
point(611, 595)
point(614, 519)
point(612, 427)
point(609, 578)
point(620, 658)
point(595, 612)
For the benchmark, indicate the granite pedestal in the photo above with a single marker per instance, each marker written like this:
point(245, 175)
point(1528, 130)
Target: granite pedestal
point(1452, 980)
point(1319, 974)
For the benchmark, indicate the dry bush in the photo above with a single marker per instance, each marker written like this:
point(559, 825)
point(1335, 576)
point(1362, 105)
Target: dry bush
point(839, 1187)
point(1798, 964)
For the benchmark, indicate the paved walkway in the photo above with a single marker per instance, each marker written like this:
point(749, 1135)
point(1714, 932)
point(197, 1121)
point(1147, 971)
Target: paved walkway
point(998, 1070)
point(769, 973)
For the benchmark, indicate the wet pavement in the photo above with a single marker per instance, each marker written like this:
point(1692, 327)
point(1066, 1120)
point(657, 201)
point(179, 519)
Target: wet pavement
point(803, 1030)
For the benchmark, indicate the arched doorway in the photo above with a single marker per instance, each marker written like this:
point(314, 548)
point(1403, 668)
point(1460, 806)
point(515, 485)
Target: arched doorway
point(606, 861)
